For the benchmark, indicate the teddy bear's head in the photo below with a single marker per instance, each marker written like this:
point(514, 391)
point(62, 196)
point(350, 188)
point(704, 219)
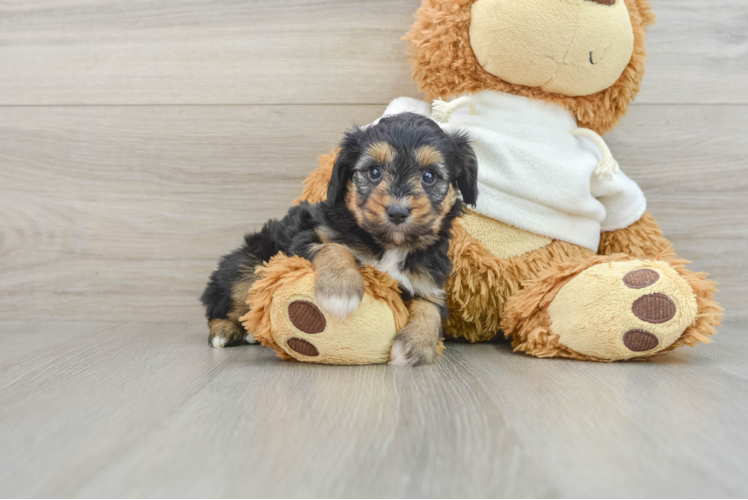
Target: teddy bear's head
point(586, 55)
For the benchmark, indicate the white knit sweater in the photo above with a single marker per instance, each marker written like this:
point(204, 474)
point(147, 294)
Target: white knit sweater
point(534, 174)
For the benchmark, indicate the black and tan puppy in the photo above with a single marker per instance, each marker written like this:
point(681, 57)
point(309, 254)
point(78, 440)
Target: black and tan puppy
point(393, 195)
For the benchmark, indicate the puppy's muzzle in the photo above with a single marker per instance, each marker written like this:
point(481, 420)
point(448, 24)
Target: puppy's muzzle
point(397, 214)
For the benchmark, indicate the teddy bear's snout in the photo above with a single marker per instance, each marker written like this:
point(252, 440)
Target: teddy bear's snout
point(577, 48)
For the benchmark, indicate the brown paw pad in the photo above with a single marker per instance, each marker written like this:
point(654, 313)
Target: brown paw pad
point(654, 308)
point(640, 340)
point(641, 278)
point(306, 317)
point(302, 347)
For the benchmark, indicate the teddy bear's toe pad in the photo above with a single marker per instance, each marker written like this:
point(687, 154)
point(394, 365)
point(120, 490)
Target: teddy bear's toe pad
point(306, 317)
point(641, 278)
point(622, 310)
point(655, 308)
point(302, 347)
point(640, 340)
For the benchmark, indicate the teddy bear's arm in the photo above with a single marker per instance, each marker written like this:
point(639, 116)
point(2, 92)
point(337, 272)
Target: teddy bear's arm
point(315, 185)
point(643, 239)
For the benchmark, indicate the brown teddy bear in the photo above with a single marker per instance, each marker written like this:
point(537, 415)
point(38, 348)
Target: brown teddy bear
point(560, 254)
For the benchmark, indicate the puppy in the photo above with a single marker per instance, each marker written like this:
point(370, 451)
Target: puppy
point(394, 192)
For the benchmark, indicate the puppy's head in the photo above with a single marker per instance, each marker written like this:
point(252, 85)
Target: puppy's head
point(401, 179)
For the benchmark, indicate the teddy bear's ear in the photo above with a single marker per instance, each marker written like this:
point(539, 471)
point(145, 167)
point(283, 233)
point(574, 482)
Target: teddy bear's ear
point(342, 170)
point(466, 168)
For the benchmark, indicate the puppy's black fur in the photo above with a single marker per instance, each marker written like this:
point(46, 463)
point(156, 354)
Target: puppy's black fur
point(393, 192)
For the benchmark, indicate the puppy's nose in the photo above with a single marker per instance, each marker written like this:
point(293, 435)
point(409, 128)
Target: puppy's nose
point(397, 213)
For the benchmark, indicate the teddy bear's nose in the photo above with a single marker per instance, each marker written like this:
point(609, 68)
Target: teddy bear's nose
point(604, 2)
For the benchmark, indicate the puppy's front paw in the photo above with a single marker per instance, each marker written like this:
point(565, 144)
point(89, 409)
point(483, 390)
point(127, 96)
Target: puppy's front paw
point(417, 343)
point(340, 306)
point(340, 293)
point(414, 348)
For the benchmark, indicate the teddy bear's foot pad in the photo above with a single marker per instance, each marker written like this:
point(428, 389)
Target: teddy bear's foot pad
point(306, 332)
point(640, 340)
point(622, 310)
point(306, 317)
point(303, 347)
point(641, 278)
point(286, 315)
point(655, 308)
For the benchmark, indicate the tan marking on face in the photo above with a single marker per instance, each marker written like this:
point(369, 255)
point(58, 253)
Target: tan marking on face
point(382, 152)
point(375, 208)
point(353, 202)
point(372, 213)
point(420, 208)
point(448, 201)
point(446, 205)
point(428, 155)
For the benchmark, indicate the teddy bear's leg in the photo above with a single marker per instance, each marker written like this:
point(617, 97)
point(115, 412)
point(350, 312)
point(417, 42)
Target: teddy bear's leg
point(643, 239)
point(491, 262)
point(286, 315)
point(612, 308)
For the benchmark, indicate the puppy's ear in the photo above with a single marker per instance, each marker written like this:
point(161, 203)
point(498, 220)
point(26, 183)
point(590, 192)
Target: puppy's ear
point(466, 165)
point(342, 170)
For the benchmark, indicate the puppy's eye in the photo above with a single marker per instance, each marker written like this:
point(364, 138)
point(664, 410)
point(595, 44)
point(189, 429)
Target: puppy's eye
point(375, 173)
point(428, 177)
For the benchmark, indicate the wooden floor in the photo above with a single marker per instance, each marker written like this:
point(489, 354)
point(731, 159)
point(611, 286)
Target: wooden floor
point(140, 139)
point(148, 410)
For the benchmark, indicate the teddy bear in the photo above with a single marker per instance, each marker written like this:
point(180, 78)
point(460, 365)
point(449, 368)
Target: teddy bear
point(560, 254)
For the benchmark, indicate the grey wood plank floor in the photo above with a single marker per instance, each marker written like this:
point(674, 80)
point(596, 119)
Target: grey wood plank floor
point(148, 410)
